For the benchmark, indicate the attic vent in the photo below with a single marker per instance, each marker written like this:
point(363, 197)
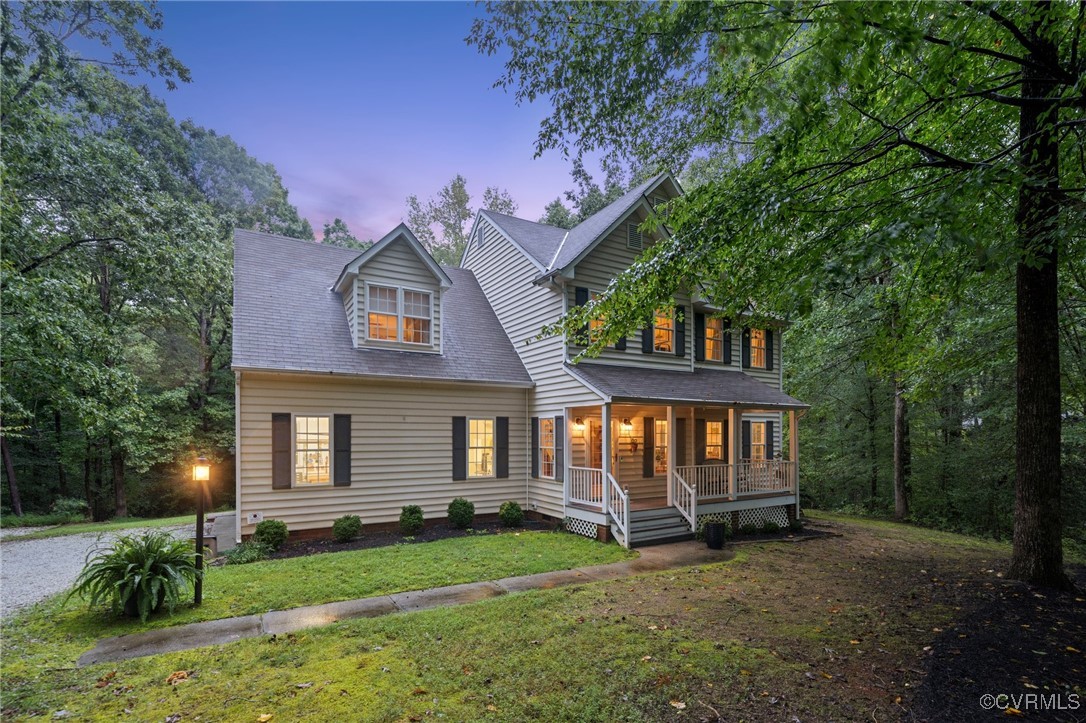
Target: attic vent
point(658, 201)
point(633, 237)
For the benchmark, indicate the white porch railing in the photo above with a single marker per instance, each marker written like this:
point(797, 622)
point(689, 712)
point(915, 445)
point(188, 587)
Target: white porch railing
point(685, 499)
point(618, 507)
point(584, 486)
point(730, 481)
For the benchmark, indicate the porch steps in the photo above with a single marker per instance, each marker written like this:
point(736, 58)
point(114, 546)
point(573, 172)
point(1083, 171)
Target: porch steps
point(657, 526)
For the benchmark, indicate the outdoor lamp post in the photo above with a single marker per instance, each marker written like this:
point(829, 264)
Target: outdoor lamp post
point(201, 473)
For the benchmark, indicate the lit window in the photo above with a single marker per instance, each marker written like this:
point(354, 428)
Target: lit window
point(546, 448)
point(312, 453)
point(416, 317)
point(663, 332)
point(714, 339)
point(595, 325)
point(480, 448)
point(714, 441)
point(757, 440)
point(757, 348)
point(660, 452)
point(383, 316)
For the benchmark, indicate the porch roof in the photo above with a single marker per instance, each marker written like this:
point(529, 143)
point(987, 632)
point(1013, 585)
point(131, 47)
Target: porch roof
point(701, 386)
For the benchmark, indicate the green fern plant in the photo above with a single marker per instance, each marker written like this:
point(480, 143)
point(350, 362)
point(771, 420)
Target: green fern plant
point(138, 573)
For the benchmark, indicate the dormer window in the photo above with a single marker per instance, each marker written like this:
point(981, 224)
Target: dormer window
point(399, 315)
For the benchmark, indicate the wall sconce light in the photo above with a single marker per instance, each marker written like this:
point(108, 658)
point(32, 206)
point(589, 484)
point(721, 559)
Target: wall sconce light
point(578, 425)
point(625, 427)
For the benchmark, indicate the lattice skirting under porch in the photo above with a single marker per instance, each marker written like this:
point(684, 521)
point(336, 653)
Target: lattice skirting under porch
point(759, 517)
point(581, 527)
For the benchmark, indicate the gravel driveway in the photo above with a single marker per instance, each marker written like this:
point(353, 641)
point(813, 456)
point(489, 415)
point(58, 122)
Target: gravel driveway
point(32, 570)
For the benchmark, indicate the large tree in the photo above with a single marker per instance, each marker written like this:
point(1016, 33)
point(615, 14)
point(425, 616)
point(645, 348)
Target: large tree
point(855, 137)
point(450, 211)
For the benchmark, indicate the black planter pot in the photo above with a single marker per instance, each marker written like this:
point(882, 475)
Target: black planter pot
point(714, 535)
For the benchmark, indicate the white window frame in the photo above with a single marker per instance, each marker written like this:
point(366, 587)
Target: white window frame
point(294, 449)
point(717, 446)
point(754, 358)
point(493, 447)
point(400, 315)
point(660, 451)
point(755, 454)
point(671, 337)
point(552, 448)
point(719, 338)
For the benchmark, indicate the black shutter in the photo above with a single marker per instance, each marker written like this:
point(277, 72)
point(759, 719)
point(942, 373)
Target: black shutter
point(769, 349)
point(746, 348)
point(699, 337)
point(559, 448)
point(680, 331)
point(341, 440)
point(501, 441)
point(620, 345)
point(680, 442)
point(459, 448)
point(725, 442)
point(580, 297)
point(769, 440)
point(646, 340)
point(726, 324)
point(746, 440)
point(535, 446)
point(648, 461)
point(280, 451)
point(699, 441)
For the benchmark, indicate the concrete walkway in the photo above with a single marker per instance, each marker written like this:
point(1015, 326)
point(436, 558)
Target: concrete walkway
point(217, 632)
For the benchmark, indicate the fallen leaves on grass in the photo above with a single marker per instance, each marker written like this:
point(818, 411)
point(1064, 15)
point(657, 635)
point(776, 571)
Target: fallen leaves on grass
point(678, 704)
point(105, 679)
point(177, 676)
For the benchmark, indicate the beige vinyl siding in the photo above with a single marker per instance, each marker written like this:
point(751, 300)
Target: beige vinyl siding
point(397, 265)
point(401, 447)
point(350, 301)
point(771, 377)
point(596, 271)
point(778, 423)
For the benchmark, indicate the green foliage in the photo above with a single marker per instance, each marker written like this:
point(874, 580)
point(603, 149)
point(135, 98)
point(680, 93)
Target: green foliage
point(138, 573)
point(770, 527)
point(411, 520)
point(338, 234)
point(699, 534)
point(248, 551)
point(749, 529)
point(795, 525)
point(451, 211)
point(271, 533)
point(347, 528)
point(71, 508)
point(510, 514)
point(461, 513)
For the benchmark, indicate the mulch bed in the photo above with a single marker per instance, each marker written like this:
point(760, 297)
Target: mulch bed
point(1018, 640)
point(438, 531)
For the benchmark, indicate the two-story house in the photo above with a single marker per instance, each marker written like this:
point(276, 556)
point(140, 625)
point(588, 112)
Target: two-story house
point(369, 381)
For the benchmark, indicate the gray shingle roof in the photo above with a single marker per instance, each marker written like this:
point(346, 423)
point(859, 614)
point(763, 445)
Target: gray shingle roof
point(584, 234)
point(287, 318)
point(709, 386)
point(538, 239)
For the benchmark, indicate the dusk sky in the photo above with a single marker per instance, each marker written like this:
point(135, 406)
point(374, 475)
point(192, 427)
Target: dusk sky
point(358, 104)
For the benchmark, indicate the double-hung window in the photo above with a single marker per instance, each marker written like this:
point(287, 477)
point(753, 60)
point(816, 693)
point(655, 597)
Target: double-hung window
point(416, 317)
point(663, 332)
point(596, 323)
point(757, 440)
point(312, 451)
point(714, 339)
point(714, 440)
point(757, 348)
point(384, 319)
point(401, 315)
point(481, 448)
point(546, 447)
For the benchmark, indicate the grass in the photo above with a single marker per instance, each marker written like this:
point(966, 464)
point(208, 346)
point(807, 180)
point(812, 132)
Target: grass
point(832, 628)
point(119, 523)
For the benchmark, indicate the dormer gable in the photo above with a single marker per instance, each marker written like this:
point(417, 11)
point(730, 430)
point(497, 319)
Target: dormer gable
point(392, 295)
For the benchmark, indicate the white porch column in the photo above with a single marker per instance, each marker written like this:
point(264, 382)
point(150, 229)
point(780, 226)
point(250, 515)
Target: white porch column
point(605, 456)
point(735, 447)
point(793, 453)
point(670, 455)
point(567, 457)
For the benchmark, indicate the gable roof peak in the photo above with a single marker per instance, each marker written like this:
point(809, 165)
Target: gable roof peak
point(351, 269)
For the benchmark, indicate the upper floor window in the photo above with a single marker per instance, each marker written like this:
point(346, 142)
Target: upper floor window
point(480, 448)
point(714, 440)
point(312, 451)
point(714, 339)
point(663, 332)
point(757, 348)
point(757, 440)
point(546, 447)
point(397, 314)
point(595, 325)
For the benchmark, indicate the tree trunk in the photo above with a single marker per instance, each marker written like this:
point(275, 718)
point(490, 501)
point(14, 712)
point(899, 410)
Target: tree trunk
point(9, 472)
point(872, 446)
point(87, 493)
point(901, 451)
point(99, 508)
point(1038, 547)
point(116, 460)
point(62, 477)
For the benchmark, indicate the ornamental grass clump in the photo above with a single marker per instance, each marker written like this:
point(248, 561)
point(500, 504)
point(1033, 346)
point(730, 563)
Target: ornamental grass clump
point(139, 573)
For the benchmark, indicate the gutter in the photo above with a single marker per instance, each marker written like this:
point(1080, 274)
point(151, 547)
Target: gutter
point(387, 377)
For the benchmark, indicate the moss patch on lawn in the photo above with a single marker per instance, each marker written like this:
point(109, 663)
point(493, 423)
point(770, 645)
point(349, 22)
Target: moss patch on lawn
point(115, 525)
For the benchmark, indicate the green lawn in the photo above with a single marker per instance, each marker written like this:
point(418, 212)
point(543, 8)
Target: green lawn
point(120, 523)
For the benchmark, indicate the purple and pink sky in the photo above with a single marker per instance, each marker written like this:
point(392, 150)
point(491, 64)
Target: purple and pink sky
point(359, 104)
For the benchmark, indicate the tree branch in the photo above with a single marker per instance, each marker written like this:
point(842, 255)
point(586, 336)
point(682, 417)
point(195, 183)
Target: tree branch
point(62, 249)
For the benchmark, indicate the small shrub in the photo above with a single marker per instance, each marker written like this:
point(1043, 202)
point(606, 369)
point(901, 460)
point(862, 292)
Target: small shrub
point(138, 573)
point(749, 529)
point(73, 508)
point(411, 520)
point(510, 514)
point(246, 552)
point(347, 528)
point(795, 525)
point(770, 527)
point(461, 513)
point(271, 533)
